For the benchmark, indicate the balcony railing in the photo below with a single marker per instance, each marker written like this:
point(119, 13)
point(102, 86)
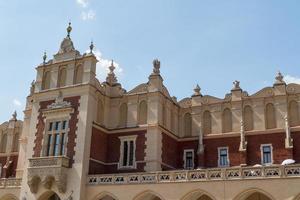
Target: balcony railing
point(49, 162)
point(233, 173)
point(10, 183)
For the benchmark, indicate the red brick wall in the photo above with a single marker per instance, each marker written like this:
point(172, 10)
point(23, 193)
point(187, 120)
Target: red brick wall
point(109, 153)
point(169, 152)
point(296, 149)
point(211, 150)
point(277, 140)
point(72, 125)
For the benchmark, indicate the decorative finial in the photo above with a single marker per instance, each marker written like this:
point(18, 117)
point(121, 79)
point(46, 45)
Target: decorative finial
point(32, 87)
point(197, 90)
point(14, 116)
point(44, 57)
point(91, 47)
point(111, 77)
point(279, 78)
point(156, 66)
point(69, 29)
point(236, 85)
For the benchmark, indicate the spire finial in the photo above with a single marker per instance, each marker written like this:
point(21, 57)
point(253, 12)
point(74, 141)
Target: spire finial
point(44, 57)
point(236, 85)
point(111, 77)
point(279, 78)
point(91, 47)
point(156, 66)
point(69, 29)
point(112, 67)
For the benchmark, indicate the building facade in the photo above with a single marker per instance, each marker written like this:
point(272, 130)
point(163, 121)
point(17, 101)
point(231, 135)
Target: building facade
point(83, 139)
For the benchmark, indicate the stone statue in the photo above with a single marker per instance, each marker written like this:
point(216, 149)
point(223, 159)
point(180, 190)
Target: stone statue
point(236, 85)
point(156, 66)
point(32, 87)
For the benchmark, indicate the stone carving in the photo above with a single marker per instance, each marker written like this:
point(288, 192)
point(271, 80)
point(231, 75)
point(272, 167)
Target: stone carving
point(197, 91)
point(91, 47)
point(44, 58)
point(33, 183)
point(14, 116)
point(142, 88)
point(48, 182)
point(185, 103)
point(236, 85)
point(288, 138)
point(279, 79)
point(59, 102)
point(156, 66)
point(243, 142)
point(32, 87)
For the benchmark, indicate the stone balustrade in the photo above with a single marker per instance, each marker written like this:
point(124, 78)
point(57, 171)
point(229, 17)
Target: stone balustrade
point(10, 183)
point(59, 161)
point(214, 174)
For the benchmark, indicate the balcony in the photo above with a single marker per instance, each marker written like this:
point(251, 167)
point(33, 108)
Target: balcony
point(47, 171)
point(6, 183)
point(214, 174)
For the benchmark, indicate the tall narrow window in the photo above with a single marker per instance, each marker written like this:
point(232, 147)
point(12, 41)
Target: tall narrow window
point(266, 154)
point(16, 142)
point(270, 116)
point(226, 120)
point(206, 123)
point(188, 159)
point(294, 113)
point(78, 74)
point(100, 112)
point(187, 124)
point(62, 76)
point(127, 152)
point(248, 118)
point(3, 143)
point(223, 157)
point(56, 138)
point(123, 115)
point(143, 112)
point(46, 80)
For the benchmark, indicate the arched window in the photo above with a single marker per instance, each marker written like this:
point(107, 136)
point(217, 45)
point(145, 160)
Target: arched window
point(143, 112)
point(78, 74)
point(3, 143)
point(248, 118)
point(16, 142)
point(123, 115)
point(206, 123)
point(187, 124)
point(293, 113)
point(100, 112)
point(226, 120)
point(270, 116)
point(62, 76)
point(46, 80)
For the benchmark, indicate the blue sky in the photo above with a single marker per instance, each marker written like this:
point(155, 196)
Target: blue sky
point(209, 42)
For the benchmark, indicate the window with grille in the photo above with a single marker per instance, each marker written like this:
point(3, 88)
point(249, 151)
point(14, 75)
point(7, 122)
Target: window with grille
point(223, 157)
point(189, 159)
point(56, 138)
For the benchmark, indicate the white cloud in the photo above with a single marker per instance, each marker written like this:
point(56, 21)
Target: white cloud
point(17, 102)
point(292, 79)
point(88, 15)
point(103, 66)
point(82, 3)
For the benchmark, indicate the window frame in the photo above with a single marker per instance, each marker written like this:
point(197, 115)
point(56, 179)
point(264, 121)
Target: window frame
point(185, 159)
point(128, 139)
point(49, 148)
point(219, 157)
point(262, 153)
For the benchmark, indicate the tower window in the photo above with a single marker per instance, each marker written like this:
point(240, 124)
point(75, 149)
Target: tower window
point(188, 159)
point(223, 157)
point(266, 154)
point(127, 152)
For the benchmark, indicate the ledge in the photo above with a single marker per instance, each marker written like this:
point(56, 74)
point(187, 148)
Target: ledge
point(10, 183)
point(214, 174)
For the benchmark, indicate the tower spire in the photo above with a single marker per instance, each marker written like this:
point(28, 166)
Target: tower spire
point(69, 29)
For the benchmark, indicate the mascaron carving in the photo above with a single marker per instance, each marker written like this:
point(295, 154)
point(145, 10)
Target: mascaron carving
point(59, 102)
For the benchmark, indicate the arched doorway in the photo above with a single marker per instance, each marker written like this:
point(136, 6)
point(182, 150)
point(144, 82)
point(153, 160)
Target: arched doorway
point(198, 195)
point(54, 197)
point(257, 196)
point(204, 197)
point(107, 198)
point(149, 195)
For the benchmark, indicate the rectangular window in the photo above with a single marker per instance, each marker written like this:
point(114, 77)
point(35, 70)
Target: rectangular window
point(223, 157)
point(127, 152)
point(56, 138)
point(266, 153)
point(189, 159)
